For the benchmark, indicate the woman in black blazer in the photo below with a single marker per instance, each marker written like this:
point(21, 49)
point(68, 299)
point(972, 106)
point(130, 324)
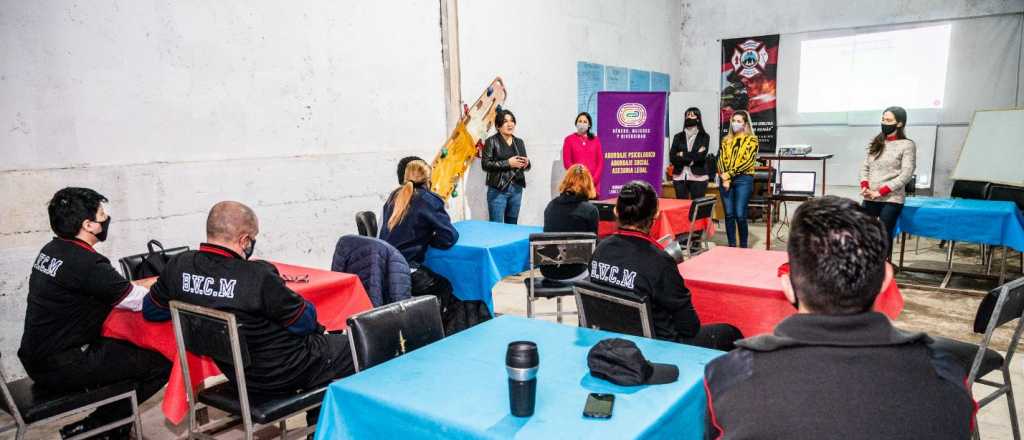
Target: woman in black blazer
point(689, 157)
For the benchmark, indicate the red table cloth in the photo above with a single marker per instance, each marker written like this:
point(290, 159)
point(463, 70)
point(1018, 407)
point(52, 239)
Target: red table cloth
point(673, 218)
point(336, 297)
point(741, 287)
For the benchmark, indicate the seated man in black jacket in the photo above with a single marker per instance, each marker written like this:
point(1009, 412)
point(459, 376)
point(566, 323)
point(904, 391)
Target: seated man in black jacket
point(632, 260)
point(71, 292)
point(289, 349)
point(837, 369)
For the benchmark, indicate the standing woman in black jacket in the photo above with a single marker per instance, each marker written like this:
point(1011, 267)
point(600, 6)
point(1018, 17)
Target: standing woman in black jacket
point(689, 156)
point(506, 165)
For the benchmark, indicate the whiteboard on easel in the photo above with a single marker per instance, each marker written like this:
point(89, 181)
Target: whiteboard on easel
point(994, 148)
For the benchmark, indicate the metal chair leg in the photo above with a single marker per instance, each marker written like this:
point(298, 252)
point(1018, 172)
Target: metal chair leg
point(558, 309)
point(988, 264)
point(1010, 403)
point(903, 248)
point(949, 265)
point(529, 307)
point(1002, 266)
point(138, 417)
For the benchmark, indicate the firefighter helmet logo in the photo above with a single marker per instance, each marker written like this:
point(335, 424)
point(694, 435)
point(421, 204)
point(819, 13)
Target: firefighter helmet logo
point(749, 59)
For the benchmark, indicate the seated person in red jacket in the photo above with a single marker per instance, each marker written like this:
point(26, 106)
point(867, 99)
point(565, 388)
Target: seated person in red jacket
point(289, 349)
point(632, 260)
point(837, 369)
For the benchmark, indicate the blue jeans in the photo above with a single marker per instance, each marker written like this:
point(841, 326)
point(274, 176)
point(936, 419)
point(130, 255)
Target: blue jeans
point(888, 213)
point(503, 206)
point(735, 200)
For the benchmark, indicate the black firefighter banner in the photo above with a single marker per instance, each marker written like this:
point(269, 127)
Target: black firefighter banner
point(748, 83)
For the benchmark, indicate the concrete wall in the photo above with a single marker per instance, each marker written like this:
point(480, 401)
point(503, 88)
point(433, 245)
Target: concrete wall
point(704, 23)
point(534, 47)
point(299, 110)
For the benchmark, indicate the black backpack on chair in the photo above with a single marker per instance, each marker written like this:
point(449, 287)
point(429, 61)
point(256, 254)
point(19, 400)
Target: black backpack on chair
point(149, 264)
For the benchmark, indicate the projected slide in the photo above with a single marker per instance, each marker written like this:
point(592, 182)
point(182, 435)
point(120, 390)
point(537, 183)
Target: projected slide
point(872, 71)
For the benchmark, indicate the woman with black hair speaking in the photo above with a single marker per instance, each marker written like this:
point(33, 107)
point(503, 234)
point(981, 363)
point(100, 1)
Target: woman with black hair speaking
point(888, 166)
point(631, 260)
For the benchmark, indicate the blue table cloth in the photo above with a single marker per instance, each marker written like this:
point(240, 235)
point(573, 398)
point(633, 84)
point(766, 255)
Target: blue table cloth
point(967, 220)
point(457, 388)
point(485, 253)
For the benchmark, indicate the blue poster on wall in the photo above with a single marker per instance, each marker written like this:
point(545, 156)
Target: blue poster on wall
point(639, 81)
point(593, 77)
point(659, 82)
point(617, 79)
point(589, 81)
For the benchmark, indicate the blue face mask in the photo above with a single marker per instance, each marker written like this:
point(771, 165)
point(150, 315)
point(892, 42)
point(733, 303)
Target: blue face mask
point(738, 128)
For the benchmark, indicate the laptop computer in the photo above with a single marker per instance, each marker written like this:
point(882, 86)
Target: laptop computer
point(605, 211)
point(796, 183)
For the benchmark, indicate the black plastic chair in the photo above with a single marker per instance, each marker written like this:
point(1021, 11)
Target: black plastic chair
point(766, 178)
point(131, 264)
point(204, 331)
point(970, 189)
point(1003, 305)
point(700, 209)
point(615, 310)
point(911, 188)
point(366, 223)
point(384, 333)
point(554, 249)
point(30, 405)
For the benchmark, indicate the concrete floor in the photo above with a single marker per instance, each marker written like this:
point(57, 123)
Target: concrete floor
point(947, 313)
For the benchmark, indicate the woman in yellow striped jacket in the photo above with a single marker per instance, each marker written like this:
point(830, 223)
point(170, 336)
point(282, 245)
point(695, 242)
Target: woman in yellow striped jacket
point(736, 161)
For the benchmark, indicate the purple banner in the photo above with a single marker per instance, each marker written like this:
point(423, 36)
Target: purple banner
point(632, 130)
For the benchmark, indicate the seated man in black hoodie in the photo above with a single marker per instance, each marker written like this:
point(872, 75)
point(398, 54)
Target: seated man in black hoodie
point(414, 220)
point(631, 260)
point(571, 211)
point(837, 369)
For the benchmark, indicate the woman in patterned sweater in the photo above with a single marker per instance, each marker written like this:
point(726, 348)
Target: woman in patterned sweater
point(888, 166)
point(736, 160)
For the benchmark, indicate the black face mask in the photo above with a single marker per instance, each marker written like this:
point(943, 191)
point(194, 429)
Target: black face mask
point(689, 123)
point(102, 236)
point(888, 129)
point(249, 250)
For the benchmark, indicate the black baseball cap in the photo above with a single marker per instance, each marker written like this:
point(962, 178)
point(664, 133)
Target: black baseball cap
point(621, 362)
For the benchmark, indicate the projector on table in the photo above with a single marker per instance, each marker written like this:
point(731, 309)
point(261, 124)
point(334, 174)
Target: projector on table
point(793, 150)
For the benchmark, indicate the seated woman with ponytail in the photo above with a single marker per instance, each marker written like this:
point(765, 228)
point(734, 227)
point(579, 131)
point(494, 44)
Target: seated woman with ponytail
point(414, 219)
point(634, 261)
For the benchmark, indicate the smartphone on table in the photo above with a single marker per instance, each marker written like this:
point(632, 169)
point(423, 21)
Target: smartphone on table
point(599, 406)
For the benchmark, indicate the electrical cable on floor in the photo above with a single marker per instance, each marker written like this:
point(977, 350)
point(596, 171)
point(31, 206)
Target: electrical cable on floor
point(782, 223)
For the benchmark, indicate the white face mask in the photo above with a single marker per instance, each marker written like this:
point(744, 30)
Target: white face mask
point(582, 127)
point(738, 128)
